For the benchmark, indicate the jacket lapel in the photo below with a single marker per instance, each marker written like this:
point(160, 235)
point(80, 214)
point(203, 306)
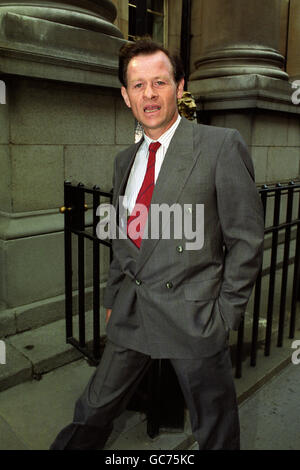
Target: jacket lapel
point(130, 156)
point(176, 168)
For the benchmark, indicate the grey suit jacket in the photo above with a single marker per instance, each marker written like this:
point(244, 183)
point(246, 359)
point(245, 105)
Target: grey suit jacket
point(171, 302)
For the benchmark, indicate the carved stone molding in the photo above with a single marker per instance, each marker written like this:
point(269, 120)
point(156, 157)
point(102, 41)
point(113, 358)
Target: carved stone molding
point(73, 41)
point(93, 15)
point(240, 37)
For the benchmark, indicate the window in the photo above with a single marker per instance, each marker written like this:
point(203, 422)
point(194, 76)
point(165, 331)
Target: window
point(148, 17)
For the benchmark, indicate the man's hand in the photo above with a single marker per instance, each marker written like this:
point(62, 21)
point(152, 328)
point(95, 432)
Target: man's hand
point(108, 312)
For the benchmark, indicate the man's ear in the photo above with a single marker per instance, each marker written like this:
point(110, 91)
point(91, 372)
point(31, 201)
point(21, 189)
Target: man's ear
point(180, 88)
point(125, 96)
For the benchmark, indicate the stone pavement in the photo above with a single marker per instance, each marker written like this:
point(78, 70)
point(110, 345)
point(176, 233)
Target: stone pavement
point(33, 412)
point(270, 419)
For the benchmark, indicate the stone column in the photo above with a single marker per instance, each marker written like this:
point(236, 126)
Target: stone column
point(69, 34)
point(239, 81)
point(122, 18)
point(240, 37)
point(92, 15)
point(64, 118)
point(293, 56)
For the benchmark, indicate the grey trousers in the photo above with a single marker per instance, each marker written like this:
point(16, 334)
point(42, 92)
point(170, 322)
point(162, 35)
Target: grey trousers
point(207, 385)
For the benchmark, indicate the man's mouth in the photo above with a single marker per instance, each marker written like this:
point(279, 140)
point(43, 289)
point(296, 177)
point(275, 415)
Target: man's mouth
point(151, 109)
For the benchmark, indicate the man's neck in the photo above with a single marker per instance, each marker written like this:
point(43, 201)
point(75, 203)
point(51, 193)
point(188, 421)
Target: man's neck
point(157, 133)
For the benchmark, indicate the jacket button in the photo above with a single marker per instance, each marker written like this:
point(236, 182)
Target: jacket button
point(179, 249)
point(169, 285)
point(138, 282)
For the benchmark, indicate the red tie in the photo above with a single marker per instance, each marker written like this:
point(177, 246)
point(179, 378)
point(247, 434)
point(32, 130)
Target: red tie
point(144, 197)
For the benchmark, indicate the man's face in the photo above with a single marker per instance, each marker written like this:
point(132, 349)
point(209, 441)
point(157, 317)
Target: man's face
point(152, 93)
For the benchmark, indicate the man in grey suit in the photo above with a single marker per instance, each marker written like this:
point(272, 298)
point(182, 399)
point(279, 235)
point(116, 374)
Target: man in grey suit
point(167, 297)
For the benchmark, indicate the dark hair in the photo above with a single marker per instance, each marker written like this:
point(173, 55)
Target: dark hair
point(145, 46)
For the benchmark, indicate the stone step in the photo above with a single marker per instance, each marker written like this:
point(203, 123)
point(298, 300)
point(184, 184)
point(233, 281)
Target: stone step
point(35, 352)
point(41, 349)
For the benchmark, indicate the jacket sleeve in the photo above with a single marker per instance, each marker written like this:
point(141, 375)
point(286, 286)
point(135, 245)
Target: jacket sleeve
point(242, 223)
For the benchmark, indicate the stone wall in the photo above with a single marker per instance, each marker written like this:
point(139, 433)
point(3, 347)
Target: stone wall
point(273, 139)
point(64, 119)
point(56, 132)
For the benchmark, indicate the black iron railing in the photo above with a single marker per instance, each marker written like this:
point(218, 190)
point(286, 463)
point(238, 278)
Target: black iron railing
point(286, 199)
point(74, 210)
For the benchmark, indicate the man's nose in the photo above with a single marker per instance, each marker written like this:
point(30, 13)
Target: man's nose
point(149, 91)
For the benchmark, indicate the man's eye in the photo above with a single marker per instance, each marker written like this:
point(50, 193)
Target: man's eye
point(138, 85)
point(160, 82)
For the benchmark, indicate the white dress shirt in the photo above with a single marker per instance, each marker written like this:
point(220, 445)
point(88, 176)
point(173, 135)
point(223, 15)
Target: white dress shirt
point(138, 170)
